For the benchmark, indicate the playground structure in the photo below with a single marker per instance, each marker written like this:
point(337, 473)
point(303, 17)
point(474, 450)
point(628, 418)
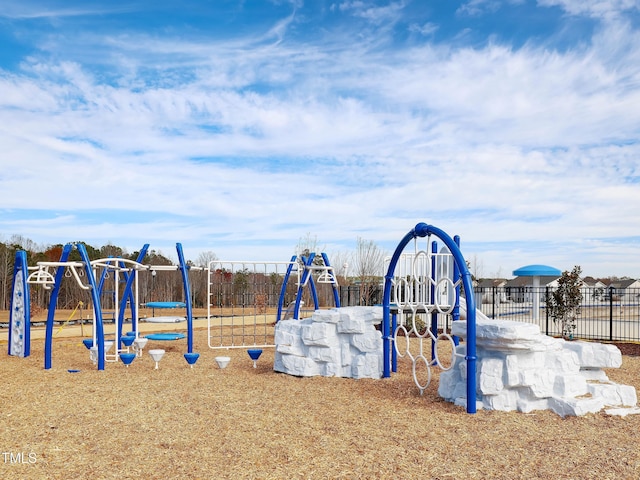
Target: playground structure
point(249, 322)
point(247, 298)
point(422, 284)
point(93, 276)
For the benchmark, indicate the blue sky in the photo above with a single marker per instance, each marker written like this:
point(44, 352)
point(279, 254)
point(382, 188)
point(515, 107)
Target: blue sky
point(240, 127)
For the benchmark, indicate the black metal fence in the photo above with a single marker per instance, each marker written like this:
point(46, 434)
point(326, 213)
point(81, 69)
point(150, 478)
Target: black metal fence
point(606, 314)
point(353, 295)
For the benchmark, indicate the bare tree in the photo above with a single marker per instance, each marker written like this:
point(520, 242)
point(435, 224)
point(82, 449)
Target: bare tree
point(340, 261)
point(476, 267)
point(368, 268)
point(199, 278)
point(24, 243)
point(307, 245)
point(7, 255)
point(204, 258)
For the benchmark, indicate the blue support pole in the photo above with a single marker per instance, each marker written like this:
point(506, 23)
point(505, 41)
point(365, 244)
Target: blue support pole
point(97, 308)
point(103, 278)
point(128, 295)
point(184, 270)
point(305, 275)
point(53, 300)
point(312, 285)
point(283, 290)
point(455, 314)
point(434, 314)
point(336, 293)
point(386, 305)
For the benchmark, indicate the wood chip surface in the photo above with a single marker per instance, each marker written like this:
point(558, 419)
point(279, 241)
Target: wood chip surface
point(210, 423)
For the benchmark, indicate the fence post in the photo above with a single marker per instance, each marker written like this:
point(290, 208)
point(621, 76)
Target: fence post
point(546, 296)
point(611, 313)
point(493, 307)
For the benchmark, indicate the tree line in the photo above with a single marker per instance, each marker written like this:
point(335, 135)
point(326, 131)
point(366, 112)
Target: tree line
point(161, 286)
point(361, 269)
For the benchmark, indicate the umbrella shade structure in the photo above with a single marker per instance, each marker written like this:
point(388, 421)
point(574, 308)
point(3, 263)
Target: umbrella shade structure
point(536, 271)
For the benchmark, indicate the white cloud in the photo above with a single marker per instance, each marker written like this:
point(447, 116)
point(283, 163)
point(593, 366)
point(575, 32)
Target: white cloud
point(377, 15)
point(225, 143)
point(594, 8)
point(425, 29)
point(480, 7)
point(50, 10)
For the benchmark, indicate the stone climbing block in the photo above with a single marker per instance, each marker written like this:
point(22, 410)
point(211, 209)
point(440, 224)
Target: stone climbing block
point(490, 376)
point(348, 324)
point(519, 368)
point(287, 338)
point(337, 342)
point(539, 382)
point(527, 403)
point(570, 385)
point(594, 374)
point(505, 400)
point(596, 355)
point(614, 395)
point(326, 316)
point(295, 365)
point(562, 361)
point(575, 406)
point(324, 354)
point(367, 366)
point(321, 334)
point(370, 341)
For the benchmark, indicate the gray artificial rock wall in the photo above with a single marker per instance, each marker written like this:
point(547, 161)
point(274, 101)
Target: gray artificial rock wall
point(519, 368)
point(341, 342)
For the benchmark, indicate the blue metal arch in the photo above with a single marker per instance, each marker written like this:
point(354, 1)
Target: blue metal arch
point(424, 230)
point(95, 297)
point(129, 297)
point(306, 278)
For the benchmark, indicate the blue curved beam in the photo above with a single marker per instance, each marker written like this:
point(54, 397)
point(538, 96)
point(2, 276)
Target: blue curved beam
point(283, 289)
point(128, 296)
point(53, 301)
point(184, 270)
point(97, 308)
point(423, 230)
point(336, 292)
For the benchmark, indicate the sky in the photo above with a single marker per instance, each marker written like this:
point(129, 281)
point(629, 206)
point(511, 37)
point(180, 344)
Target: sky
point(241, 127)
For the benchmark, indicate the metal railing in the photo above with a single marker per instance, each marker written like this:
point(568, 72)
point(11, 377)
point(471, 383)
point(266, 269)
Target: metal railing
point(606, 314)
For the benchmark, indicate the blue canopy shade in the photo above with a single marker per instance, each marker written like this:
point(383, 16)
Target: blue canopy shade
point(537, 271)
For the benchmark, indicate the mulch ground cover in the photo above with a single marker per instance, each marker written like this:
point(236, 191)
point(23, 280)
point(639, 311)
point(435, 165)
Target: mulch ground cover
point(243, 422)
